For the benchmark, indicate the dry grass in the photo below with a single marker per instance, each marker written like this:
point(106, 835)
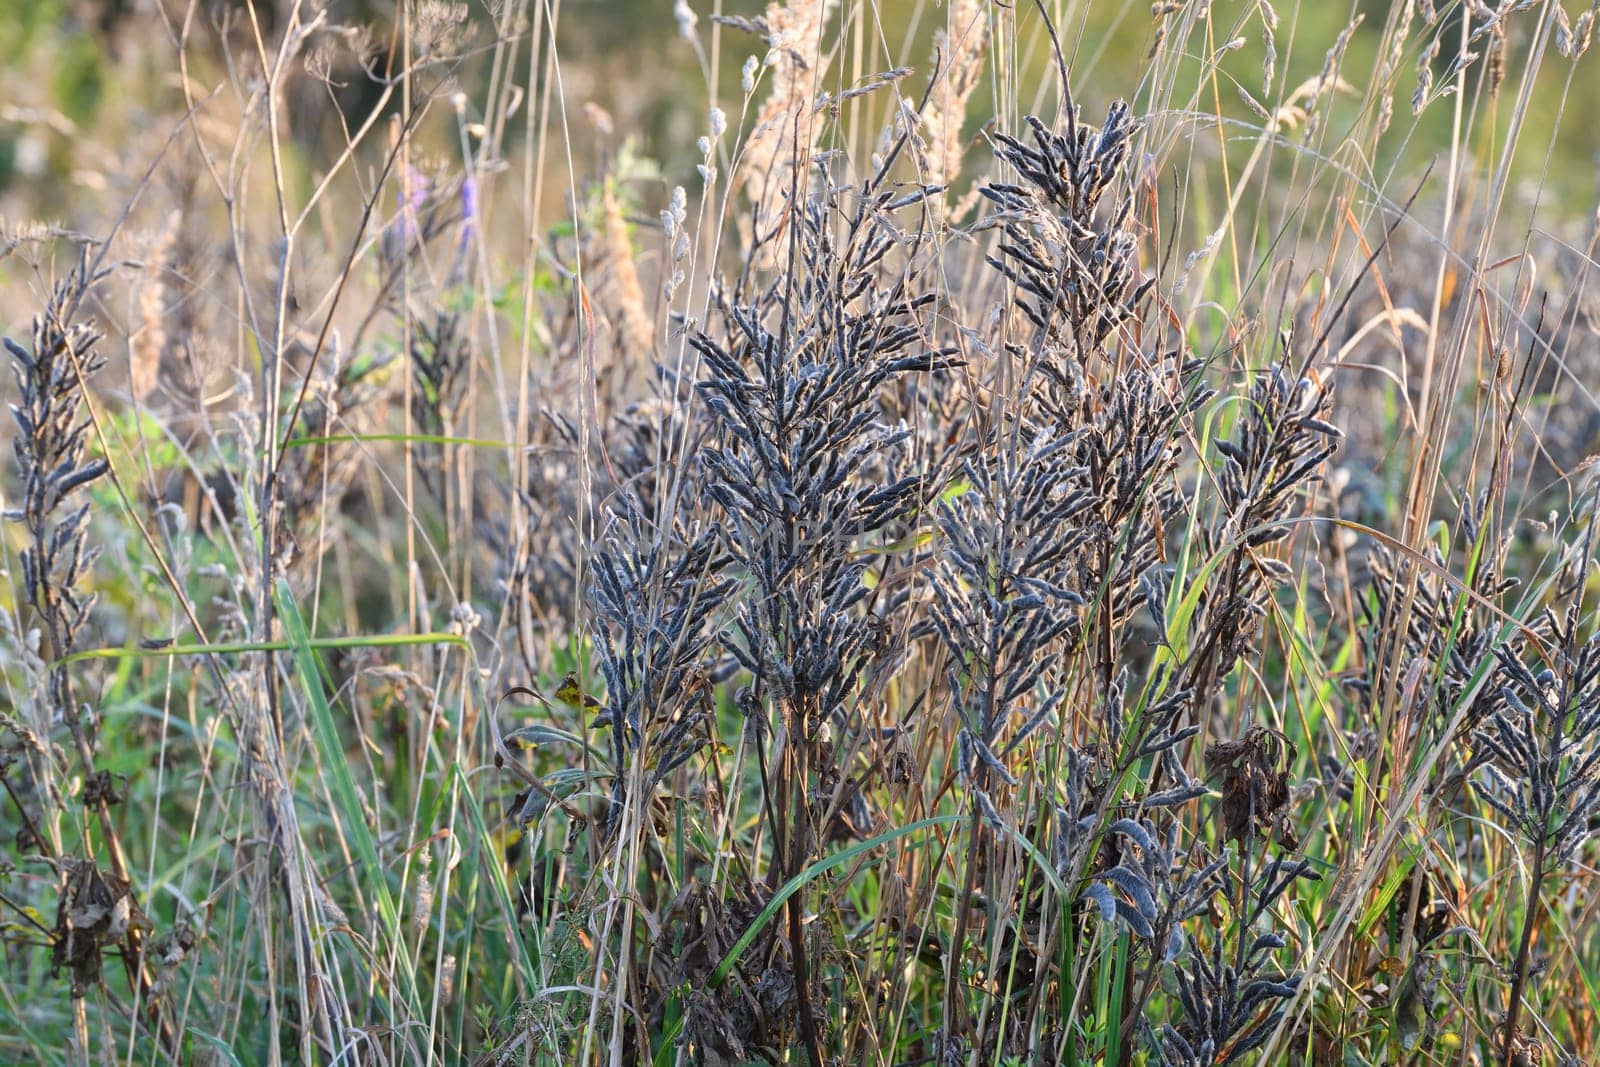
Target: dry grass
point(981, 559)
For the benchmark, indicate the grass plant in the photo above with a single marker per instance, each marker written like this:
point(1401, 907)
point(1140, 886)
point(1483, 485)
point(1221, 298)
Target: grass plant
point(991, 534)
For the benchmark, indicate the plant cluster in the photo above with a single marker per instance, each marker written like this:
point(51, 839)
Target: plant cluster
point(889, 606)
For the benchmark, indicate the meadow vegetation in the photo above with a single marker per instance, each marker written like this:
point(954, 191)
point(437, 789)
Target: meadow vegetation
point(859, 533)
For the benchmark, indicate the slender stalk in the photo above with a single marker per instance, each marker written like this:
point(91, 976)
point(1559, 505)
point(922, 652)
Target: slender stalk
point(799, 833)
point(1524, 950)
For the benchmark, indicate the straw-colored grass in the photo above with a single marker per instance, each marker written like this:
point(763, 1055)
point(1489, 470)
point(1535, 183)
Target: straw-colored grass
point(879, 533)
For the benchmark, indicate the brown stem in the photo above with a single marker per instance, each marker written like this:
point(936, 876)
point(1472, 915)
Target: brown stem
point(1524, 950)
point(799, 831)
point(808, 1023)
point(955, 1008)
point(28, 824)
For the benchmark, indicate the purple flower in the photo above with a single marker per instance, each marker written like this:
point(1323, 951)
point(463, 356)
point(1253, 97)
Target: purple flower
point(469, 206)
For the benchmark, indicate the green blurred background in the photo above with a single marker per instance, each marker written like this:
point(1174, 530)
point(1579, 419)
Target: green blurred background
point(89, 88)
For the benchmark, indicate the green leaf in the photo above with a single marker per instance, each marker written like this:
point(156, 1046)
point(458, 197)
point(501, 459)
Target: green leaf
point(350, 812)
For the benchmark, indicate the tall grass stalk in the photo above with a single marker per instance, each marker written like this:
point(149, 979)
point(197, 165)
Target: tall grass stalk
point(851, 533)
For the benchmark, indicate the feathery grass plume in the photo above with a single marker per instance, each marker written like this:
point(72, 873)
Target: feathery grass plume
point(97, 909)
point(777, 152)
point(626, 294)
point(1576, 43)
point(23, 233)
point(149, 339)
point(960, 47)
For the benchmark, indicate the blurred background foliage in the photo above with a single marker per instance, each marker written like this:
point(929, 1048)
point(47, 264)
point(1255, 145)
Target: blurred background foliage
point(80, 73)
point(94, 92)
